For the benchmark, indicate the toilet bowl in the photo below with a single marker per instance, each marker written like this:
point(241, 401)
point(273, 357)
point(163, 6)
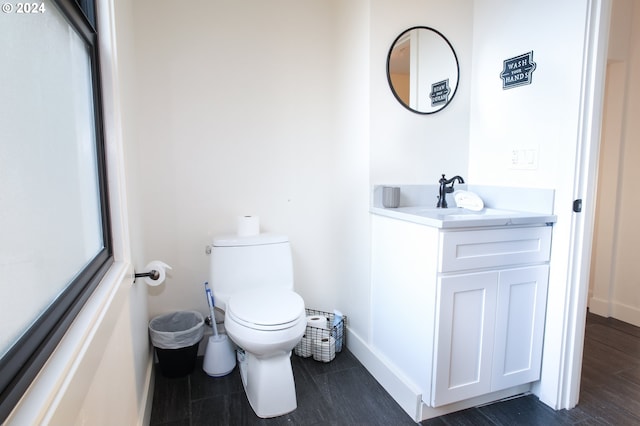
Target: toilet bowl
point(266, 324)
point(252, 281)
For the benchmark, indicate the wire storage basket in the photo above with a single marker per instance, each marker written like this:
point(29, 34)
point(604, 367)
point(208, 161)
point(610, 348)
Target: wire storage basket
point(324, 336)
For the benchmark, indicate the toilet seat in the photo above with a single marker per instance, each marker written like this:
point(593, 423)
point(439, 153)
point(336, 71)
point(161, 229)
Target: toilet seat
point(267, 310)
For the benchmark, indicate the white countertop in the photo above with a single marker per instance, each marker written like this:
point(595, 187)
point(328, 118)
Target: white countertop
point(455, 217)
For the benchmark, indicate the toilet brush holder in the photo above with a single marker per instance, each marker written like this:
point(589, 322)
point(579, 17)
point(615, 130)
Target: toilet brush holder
point(219, 356)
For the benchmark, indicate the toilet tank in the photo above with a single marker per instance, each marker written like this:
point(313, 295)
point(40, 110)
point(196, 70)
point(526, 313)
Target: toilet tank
point(242, 263)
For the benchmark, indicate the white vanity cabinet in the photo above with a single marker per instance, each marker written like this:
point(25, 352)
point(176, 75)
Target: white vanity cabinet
point(489, 329)
point(465, 307)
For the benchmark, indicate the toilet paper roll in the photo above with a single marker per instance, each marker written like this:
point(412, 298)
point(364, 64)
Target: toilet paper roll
point(304, 347)
point(324, 349)
point(248, 226)
point(161, 267)
point(317, 321)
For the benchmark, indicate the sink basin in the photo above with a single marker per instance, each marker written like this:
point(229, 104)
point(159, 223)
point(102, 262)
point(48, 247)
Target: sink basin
point(456, 213)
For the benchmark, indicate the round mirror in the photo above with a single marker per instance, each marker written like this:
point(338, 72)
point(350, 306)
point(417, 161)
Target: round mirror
point(423, 70)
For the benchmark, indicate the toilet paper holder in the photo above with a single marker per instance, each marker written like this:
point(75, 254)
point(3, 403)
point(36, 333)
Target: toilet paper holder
point(157, 272)
point(153, 274)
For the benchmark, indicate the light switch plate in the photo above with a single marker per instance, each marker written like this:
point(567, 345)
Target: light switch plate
point(523, 158)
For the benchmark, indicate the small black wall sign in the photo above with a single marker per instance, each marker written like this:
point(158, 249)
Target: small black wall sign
point(440, 93)
point(517, 71)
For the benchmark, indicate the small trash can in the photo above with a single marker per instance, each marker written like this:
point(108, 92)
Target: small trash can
point(175, 337)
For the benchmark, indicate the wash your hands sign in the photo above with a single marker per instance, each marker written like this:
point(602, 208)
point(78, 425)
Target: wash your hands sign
point(517, 71)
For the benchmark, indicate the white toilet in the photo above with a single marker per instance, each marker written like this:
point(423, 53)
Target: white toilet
point(252, 280)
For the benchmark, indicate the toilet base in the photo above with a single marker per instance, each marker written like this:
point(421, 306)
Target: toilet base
point(268, 383)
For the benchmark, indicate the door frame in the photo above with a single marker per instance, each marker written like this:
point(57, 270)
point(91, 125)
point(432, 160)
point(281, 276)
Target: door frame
point(585, 186)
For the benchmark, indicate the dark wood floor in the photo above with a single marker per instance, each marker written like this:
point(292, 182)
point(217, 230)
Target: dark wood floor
point(342, 392)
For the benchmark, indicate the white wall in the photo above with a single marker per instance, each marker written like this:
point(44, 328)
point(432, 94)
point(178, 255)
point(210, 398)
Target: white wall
point(254, 108)
point(614, 280)
point(411, 148)
point(352, 112)
point(543, 115)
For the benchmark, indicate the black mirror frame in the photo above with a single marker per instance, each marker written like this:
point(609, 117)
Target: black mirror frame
point(389, 75)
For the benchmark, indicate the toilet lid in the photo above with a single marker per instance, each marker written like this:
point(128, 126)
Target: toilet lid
point(272, 309)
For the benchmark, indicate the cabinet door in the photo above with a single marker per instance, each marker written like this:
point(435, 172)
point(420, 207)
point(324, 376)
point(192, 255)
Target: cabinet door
point(522, 296)
point(465, 330)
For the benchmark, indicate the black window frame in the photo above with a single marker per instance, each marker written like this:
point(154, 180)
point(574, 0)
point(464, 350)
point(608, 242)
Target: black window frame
point(20, 365)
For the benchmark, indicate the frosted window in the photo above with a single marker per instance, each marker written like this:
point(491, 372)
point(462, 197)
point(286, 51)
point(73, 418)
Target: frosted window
point(50, 214)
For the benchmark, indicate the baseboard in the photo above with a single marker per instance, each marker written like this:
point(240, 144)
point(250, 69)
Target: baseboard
point(599, 306)
point(626, 313)
point(401, 389)
point(619, 311)
point(150, 383)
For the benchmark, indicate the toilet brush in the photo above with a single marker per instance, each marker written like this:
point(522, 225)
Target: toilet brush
point(214, 324)
point(219, 356)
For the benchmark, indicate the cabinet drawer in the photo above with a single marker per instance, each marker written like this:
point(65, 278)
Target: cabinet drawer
point(494, 248)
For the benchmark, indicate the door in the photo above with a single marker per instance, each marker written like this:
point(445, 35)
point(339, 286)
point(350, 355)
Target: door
point(465, 320)
point(520, 312)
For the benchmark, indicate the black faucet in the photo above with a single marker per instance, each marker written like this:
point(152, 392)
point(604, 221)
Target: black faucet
point(444, 189)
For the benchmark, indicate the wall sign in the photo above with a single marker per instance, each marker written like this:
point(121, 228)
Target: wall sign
point(440, 93)
point(517, 71)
